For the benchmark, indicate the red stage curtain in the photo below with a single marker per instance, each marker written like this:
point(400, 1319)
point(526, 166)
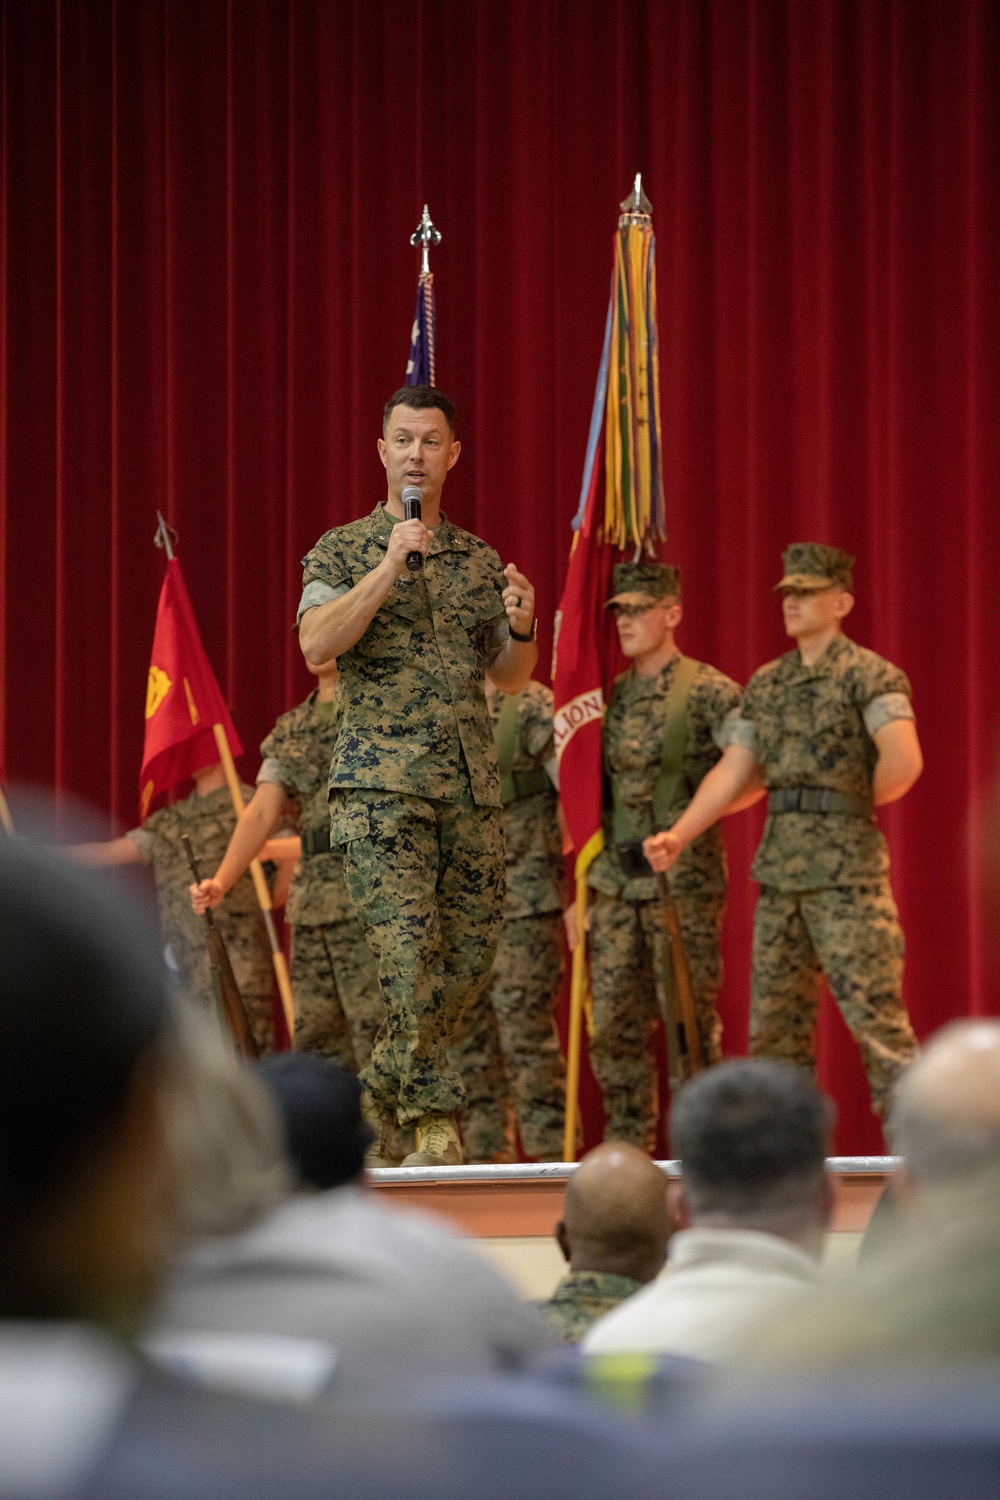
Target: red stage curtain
point(207, 292)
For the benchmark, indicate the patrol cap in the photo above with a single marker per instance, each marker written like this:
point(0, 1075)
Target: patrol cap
point(812, 565)
point(649, 581)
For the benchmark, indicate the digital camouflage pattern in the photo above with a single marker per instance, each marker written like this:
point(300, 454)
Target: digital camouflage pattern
point(507, 1047)
point(630, 973)
point(411, 689)
point(655, 580)
point(633, 749)
point(852, 935)
point(338, 1004)
point(806, 727)
point(427, 880)
point(209, 822)
point(532, 840)
point(296, 756)
point(582, 1297)
point(825, 901)
point(812, 565)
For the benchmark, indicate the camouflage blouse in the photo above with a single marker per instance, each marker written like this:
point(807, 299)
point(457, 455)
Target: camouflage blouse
point(814, 726)
point(209, 823)
point(582, 1297)
point(533, 843)
point(296, 756)
point(413, 704)
point(633, 754)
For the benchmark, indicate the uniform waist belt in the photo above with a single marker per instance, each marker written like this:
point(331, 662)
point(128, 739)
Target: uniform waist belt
point(817, 799)
point(316, 841)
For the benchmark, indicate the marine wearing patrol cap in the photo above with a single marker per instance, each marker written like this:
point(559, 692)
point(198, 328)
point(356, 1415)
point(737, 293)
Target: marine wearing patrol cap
point(811, 565)
point(650, 581)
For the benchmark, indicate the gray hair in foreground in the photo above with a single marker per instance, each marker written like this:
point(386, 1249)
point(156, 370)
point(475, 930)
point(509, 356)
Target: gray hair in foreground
point(751, 1137)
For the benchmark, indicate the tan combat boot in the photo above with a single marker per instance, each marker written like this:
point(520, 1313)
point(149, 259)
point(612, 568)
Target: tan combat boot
point(389, 1146)
point(438, 1143)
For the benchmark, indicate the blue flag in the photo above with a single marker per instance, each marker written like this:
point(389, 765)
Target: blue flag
point(420, 367)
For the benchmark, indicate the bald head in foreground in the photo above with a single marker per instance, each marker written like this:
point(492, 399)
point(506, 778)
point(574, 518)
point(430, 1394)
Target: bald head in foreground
point(945, 1119)
point(613, 1233)
point(930, 1299)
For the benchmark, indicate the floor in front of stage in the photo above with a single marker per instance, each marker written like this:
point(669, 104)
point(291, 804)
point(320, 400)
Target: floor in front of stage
point(509, 1211)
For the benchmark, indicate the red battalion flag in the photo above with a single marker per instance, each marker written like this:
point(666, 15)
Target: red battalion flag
point(183, 699)
point(621, 510)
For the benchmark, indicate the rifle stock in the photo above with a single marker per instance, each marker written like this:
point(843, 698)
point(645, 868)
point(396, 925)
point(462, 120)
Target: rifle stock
point(227, 992)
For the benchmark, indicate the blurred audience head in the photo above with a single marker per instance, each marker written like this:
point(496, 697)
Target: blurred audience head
point(319, 1106)
point(225, 1133)
point(615, 1218)
point(752, 1138)
point(945, 1117)
point(87, 1183)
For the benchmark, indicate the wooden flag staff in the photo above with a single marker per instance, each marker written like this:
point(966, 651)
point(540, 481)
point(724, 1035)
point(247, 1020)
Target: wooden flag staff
point(165, 538)
point(259, 885)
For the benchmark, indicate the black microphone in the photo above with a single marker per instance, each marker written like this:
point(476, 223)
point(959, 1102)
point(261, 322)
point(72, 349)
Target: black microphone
point(412, 499)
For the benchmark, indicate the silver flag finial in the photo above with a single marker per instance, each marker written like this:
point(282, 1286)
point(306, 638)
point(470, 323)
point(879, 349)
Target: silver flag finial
point(425, 235)
point(636, 206)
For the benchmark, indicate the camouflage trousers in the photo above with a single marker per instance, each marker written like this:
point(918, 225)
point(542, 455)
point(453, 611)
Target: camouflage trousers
point(851, 934)
point(338, 1004)
point(427, 882)
point(628, 981)
point(507, 1047)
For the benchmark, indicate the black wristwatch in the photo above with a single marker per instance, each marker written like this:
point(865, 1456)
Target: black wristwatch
point(531, 636)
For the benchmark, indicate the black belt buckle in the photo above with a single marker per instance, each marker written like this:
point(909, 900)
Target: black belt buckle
point(633, 863)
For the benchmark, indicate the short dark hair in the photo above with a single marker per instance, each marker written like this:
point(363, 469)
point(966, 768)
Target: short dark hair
point(420, 398)
point(83, 996)
point(747, 1129)
point(319, 1104)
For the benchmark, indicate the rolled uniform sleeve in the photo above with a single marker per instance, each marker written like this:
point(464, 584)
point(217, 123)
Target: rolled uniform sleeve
point(317, 592)
point(272, 771)
point(734, 730)
point(143, 841)
point(886, 709)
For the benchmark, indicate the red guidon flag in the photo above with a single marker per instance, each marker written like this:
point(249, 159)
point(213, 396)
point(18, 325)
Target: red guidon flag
point(581, 654)
point(183, 699)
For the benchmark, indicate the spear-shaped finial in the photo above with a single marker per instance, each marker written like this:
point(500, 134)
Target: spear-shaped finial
point(425, 235)
point(636, 207)
point(165, 537)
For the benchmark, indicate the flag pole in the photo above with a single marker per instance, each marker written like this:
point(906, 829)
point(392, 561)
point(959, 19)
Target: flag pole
point(259, 885)
point(574, 1041)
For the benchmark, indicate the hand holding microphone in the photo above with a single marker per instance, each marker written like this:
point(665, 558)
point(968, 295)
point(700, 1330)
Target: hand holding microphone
point(412, 499)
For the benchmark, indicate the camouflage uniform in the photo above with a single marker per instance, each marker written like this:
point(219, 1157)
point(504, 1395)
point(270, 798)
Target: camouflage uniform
point(627, 958)
point(507, 1046)
point(209, 823)
point(415, 794)
point(825, 904)
point(337, 1001)
point(581, 1298)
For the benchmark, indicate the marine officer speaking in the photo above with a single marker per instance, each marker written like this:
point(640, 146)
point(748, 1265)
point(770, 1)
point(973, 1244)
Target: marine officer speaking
point(414, 787)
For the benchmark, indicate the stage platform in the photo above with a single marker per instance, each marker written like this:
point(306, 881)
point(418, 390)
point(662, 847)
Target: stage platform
point(526, 1201)
point(509, 1212)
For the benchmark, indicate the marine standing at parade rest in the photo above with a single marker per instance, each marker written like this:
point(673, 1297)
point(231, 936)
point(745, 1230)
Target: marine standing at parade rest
point(414, 785)
point(208, 819)
point(507, 1046)
point(338, 1007)
point(830, 730)
point(667, 723)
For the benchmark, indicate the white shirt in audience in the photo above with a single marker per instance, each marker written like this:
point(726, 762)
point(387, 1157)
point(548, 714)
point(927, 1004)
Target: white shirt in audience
point(716, 1285)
